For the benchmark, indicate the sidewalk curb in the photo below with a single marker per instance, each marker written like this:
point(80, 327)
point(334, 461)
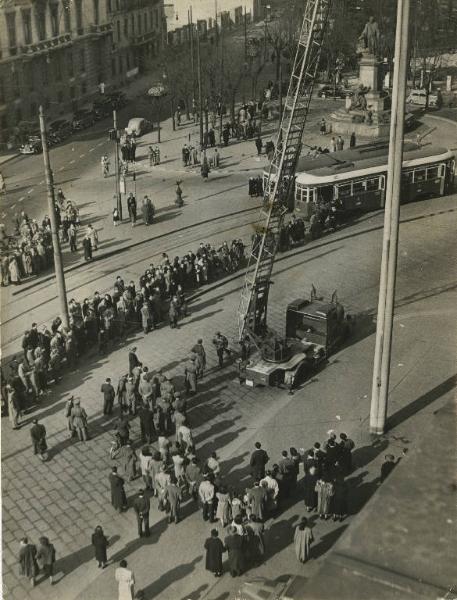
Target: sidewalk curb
point(443, 119)
point(129, 247)
point(9, 159)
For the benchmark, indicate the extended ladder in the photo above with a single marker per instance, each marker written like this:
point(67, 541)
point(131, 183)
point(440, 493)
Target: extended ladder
point(252, 312)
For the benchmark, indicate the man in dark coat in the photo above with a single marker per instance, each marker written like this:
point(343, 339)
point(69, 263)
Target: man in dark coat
point(133, 360)
point(142, 506)
point(108, 396)
point(38, 435)
point(259, 459)
point(214, 550)
point(234, 544)
point(27, 560)
point(118, 497)
point(131, 207)
point(146, 423)
point(287, 469)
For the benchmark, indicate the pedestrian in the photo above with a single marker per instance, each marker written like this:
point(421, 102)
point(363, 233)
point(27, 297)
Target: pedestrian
point(108, 396)
point(146, 318)
point(116, 216)
point(27, 560)
point(325, 491)
point(256, 540)
point(309, 482)
point(126, 581)
point(200, 357)
point(213, 466)
point(346, 446)
point(100, 544)
point(178, 201)
point(303, 538)
point(234, 544)
point(142, 506)
point(352, 140)
point(78, 420)
point(14, 406)
point(258, 145)
point(190, 374)
point(204, 169)
point(72, 238)
point(333, 144)
point(223, 512)
point(339, 499)
point(93, 235)
point(128, 461)
point(221, 344)
point(145, 210)
point(339, 143)
point(162, 480)
point(256, 500)
point(131, 207)
point(87, 245)
point(173, 314)
point(133, 360)
point(206, 494)
point(118, 496)
point(46, 557)
point(193, 478)
point(259, 459)
point(173, 497)
point(38, 435)
point(147, 428)
point(214, 551)
point(323, 127)
point(288, 472)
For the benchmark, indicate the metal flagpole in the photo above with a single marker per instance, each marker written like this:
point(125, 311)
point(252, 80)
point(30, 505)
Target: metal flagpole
point(58, 264)
point(381, 369)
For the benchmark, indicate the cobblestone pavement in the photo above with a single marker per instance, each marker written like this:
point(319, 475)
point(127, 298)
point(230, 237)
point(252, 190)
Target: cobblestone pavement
point(67, 496)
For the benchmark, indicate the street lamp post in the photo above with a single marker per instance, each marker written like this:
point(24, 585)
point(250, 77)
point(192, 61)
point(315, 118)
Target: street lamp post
point(58, 264)
point(157, 91)
point(116, 165)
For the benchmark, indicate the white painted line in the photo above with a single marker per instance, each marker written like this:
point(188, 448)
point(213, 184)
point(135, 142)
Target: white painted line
point(22, 198)
point(72, 161)
point(30, 191)
point(61, 168)
point(3, 215)
point(13, 206)
point(41, 182)
point(91, 149)
point(100, 143)
point(82, 155)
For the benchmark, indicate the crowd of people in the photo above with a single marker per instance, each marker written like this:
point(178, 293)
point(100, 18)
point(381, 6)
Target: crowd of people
point(102, 320)
point(29, 250)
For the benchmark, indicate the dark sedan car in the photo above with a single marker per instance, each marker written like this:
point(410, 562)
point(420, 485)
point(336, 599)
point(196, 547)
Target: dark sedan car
point(61, 129)
point(83, 119)
point(330, 91)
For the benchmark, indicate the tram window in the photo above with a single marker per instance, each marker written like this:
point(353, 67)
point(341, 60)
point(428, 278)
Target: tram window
point(325, 193)
point(407, 177)
point(344, 190)
point(372, 185)
point(310, 195)
point(432, 172)
point(358, 187)
point(420, 175)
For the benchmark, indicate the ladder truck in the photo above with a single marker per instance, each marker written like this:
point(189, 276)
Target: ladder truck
point(313, 328)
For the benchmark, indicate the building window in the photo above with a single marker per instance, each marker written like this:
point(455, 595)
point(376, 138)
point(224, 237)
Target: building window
point(109, 8)
point(151, 26)
point(11, 27)
point(41, 23)
point(70, 65)
point(84, 88)
point(79, 16)
point(57, 68)
point(33, 109)
point(113, 67)
point(118, 28)
point(46, 103)
point(30, 77)
point(120, 65)
point(139, 23)
point(60, 96)
point(96, 12)
point(126, 27)
point(66, 6)
point(45, 72)
point(128, 61)
point(18, 115)
point(82, 58)
point(3, 122)
point(2, 91)
point(54, 10)
point(133, 24)
point(72, 92)
point(27, 25)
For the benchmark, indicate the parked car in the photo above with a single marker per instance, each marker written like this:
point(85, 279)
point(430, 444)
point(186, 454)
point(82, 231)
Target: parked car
point(83, 119)
point(420, 97)
point(102, 108)
point(118, 99)
point(138, 126)
point(330, 91)
point(61, 129)
point(32, 145)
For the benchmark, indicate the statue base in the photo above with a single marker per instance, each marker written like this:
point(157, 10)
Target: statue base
point(345, 122)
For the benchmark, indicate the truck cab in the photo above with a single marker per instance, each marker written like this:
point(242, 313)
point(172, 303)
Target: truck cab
point(317, 322)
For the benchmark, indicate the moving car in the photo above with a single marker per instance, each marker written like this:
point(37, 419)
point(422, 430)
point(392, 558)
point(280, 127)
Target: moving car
point(83, 119)
point(32, 145)
point(60, 129)
point(330, 91)
point(420, 97)
point(138, 126)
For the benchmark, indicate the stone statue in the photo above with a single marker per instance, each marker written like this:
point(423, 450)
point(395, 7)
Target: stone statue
point(359, 102)
point(370, 36)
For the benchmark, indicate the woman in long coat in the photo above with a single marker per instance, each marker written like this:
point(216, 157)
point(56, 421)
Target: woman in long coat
point(14, 271)
point(118, 497)
point(325, 491)
point(223, 506)
point(234, 544)
point(27, 560)
point(100, 544)
point(303, 539)
point(126, 581)
point(128, 461)
point(310, 479)
point(214, 550)
point(339, 500)
point(256, 542)
point(87, 245)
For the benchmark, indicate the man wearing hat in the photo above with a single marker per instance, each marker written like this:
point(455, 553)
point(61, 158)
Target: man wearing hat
point(133, 360)
point(38, 435)
point(200, 354)
point(108, 396)
point(141, 505)
point(78, 418)
point(190, 374)
point(221, 344)
point(206, 493)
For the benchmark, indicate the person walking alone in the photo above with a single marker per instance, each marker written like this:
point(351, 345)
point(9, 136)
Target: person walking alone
point(126, 581)
point(38, 435)
point(221, 344)
point(142, 506)
point(100, 544)
point(303, 538)
point(131, 206)
point(108, 396)
point(214, 550)
point(78, 420)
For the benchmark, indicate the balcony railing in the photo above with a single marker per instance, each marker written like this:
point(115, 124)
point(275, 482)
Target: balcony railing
point(46, 45)
point(138, 40)
point(101, 29)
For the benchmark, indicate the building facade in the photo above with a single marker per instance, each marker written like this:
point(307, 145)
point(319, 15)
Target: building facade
point(62, 53)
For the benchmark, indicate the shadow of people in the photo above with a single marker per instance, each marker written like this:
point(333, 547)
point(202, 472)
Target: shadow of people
point(326, 542)
point(365, 454)
point(65, 565)
point(157, 587)
point(155, 532)
point(195, 595)
point(279, 535)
